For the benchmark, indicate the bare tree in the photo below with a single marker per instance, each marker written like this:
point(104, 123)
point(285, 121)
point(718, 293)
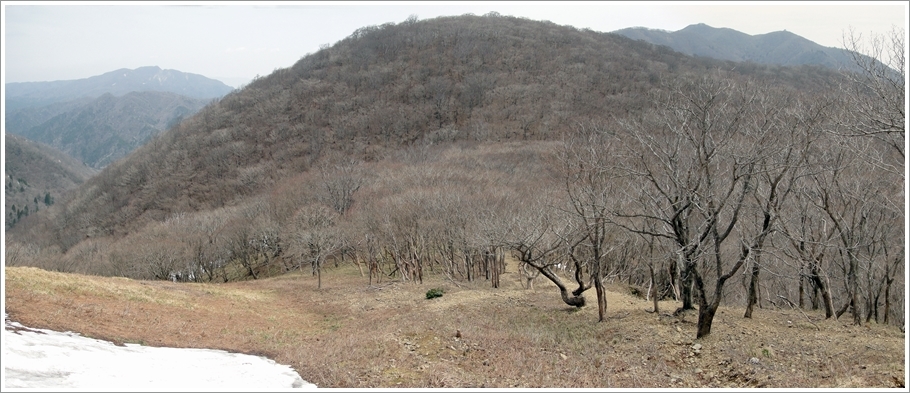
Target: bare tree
point(695, 159)
point(787, 130)
point(536, 234)
point(341, 181)
point(592, 181)
point(207, 245)
point(876, 94)
point(315, 237)
point(805, 230)
point(157, 257)
point(18, 254)
point(855, 204)
point(873, 122)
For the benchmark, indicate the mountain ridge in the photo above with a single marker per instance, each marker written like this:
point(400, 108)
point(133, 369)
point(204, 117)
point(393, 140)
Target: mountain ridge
point(382, 89)
point(108, 127)
point(118, 82)
point(777, 47)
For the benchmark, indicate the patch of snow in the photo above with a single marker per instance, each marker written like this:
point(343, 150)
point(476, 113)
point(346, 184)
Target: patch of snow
point(40, 358)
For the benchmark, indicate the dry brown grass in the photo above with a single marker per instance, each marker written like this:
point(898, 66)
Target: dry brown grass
point(389, 335)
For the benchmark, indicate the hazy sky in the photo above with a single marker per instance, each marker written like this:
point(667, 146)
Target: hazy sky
point(235, 41)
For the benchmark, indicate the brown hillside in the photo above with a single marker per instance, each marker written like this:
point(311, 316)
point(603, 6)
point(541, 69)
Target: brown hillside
point(467, 78)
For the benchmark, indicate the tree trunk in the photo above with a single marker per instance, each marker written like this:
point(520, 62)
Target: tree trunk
point(653, 289)
point(498, 264)
point(601, 299)
point(575, 300)
point(572, 300)
point(876, 309)
point(826, 296)
point(318, 275)
point(888, 298)
point(686, 288)
point(814, 295)
point(706, 311)
point(359, 265)
point(854, 296)
point(468, 267)
point(705, 319)
point(250, 268)
point(753, 290)
point(674, 279)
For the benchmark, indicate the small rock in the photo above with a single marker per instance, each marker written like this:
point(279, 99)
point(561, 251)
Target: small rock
point(753, 360)
point(696, 347)
point(563, 356)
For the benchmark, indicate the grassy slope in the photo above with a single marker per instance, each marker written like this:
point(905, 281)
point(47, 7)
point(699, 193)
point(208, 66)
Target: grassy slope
point(349, 334)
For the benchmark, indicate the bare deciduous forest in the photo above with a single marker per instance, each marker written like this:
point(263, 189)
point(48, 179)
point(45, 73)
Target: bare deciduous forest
point(443, 149)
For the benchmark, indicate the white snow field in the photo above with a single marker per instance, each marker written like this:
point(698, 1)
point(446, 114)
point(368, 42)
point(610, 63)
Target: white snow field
point(45, 359)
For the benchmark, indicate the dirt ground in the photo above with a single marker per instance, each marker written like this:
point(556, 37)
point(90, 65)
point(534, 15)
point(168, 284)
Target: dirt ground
point(353, 335)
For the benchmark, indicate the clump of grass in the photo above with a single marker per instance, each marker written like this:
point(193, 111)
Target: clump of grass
point(435, 292)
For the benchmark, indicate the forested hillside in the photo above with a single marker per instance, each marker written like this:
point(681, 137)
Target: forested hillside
point(37, 176)
point(468, 78)
point(21, 120)
point(105, 129)
point(441, 146)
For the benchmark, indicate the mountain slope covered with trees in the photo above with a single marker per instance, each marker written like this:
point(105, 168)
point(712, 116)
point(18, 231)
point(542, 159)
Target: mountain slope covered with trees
point(469, 78)
point(37, 176)
point(439, 147)
point(109, 127)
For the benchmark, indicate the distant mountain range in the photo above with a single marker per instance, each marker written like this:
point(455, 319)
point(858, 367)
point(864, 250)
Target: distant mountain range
point(101, 130)
point(58, 134)
point(777, 48)
point(33, 94)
